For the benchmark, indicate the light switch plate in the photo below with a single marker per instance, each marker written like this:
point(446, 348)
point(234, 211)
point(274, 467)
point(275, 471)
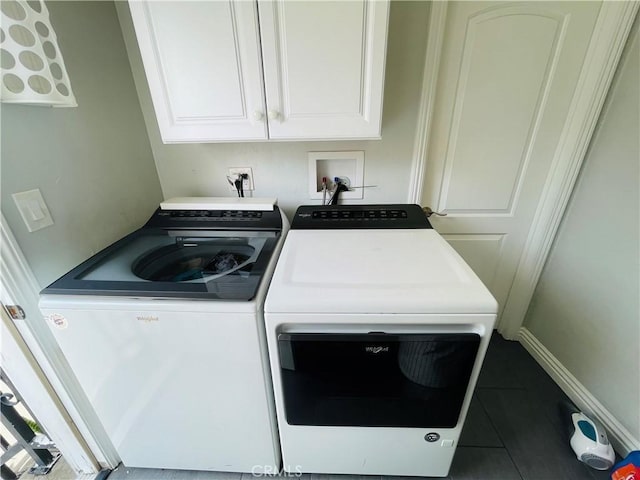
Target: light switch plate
point(33, 210)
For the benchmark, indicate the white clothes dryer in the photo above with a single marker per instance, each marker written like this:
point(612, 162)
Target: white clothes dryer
point(377, 330)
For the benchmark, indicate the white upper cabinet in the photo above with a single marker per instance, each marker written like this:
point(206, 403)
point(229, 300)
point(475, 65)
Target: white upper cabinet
point(277, 69)
point(324, 67)
point(202, 61)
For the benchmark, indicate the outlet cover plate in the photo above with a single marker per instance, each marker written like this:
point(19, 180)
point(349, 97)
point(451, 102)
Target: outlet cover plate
point(247, 183)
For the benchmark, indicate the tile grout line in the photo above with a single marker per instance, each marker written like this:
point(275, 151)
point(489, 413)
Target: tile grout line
point(495, 428)
point(501, 388)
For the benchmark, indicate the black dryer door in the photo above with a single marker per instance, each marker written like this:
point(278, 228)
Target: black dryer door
point(376, 379)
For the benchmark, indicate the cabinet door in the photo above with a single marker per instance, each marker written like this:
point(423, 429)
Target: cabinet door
point(324, 67)
point(203, 66)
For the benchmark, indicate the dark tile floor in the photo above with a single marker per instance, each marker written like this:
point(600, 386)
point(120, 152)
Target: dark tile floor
point(514, 423)
point(513, 430)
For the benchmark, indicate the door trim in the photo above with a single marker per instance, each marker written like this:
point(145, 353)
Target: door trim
point(73, 421)
point(435, 39)
point(54, 417)
point(605, 49)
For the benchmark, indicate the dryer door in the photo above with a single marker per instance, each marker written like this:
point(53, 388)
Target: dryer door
point(376, 379)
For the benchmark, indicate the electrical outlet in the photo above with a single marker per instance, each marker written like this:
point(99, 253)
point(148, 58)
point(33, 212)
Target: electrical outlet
point(247, 184)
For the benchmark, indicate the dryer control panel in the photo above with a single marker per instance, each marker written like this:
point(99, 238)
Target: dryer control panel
point(359, 216)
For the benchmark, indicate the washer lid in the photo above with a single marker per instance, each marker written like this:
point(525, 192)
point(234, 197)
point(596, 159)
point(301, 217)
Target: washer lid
point(154, 262)
point(374, 271)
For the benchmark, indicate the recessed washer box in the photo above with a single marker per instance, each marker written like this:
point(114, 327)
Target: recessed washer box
point(348, 165)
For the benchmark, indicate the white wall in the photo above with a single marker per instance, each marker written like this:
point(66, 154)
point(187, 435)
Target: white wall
point(280, 168)
point(586, 308)
point(93, 163)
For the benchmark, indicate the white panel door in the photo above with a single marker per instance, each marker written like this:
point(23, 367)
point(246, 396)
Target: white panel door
point(324, 67)
point(507, 75)
point(203, 65)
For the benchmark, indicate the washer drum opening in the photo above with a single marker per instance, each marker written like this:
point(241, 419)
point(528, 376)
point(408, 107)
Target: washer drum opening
point(183, 263)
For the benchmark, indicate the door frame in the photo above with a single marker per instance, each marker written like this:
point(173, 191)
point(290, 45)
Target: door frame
point(29, 380)
point(44, 371)
point(610, 35)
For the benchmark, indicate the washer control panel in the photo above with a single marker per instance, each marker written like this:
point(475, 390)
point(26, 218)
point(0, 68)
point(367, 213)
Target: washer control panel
point(217, 219)
point(206, 214)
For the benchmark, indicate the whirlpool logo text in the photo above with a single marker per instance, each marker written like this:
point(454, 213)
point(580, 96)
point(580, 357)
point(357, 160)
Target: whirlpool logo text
point(376, 349)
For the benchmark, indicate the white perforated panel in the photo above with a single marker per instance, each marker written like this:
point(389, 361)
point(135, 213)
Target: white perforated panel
point(33, 71)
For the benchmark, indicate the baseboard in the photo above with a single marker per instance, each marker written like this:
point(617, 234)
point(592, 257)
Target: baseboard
point(622, 440)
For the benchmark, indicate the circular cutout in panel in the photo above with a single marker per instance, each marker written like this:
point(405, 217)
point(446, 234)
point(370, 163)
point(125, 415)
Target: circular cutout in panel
point(39, 84)
point(49, 50)
point(62, 88)
point(2, 35)
point(13, 83)
point(13, 9)
point(42, 29)
point(22, 35)
point(35, 5)
point(6, 60)
point(56, 71)
point(31, 61)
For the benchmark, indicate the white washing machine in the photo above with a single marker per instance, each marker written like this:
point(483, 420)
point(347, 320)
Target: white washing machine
point(377, 330)
point(164, 332)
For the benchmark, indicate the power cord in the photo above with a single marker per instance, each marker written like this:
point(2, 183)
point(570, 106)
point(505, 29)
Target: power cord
point(340, 187)
point(239, 183)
